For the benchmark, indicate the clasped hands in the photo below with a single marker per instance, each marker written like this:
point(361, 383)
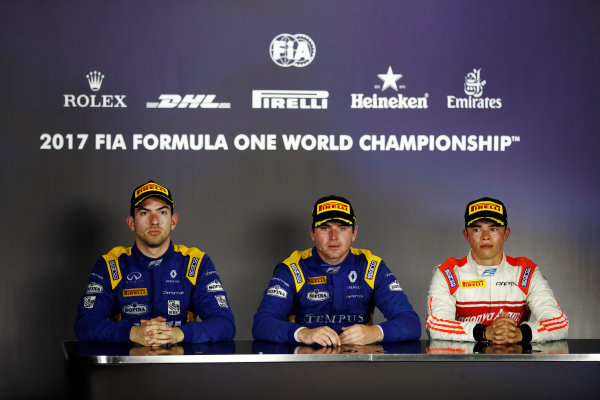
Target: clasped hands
point(355, 334)
point(503, 330)
point(155, 332)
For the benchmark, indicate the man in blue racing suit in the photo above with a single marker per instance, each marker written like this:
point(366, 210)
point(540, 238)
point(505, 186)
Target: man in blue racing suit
point(151, 293)
point(326, 295)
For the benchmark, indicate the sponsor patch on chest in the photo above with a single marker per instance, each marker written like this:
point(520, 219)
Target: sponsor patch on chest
point(473, 284)
point(135, 292)
point(317, 295)
point(317, 280)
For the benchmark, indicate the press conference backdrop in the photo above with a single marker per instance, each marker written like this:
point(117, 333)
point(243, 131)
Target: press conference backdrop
point(250, 111)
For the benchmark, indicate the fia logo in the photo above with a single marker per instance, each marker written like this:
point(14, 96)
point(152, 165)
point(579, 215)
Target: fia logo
point(292, 50)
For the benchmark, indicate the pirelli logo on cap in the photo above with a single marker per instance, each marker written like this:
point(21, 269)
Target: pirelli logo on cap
point(485, 206)
point(317, 280)
point(135, 292)
point(333, 205)
point(477, 283)
point(151, 187)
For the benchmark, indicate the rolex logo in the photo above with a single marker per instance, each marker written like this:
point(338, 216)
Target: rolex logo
point(95, 80)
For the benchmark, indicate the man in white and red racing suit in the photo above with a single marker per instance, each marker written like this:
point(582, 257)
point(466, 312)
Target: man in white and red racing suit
point(487, 295)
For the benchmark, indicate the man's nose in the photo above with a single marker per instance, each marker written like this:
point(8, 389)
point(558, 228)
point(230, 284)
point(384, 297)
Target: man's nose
point(154, 219)
point(333, 234)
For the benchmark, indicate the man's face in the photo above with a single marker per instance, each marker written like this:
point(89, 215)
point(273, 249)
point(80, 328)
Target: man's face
point(152, 223)
point(333, 241)
point(486, 239)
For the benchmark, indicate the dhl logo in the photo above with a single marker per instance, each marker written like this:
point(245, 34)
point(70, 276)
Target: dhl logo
point(485, 205)
point(151, 186)
point(317, 280)
point(333, 205)
point(472, 284)
point(135, 292)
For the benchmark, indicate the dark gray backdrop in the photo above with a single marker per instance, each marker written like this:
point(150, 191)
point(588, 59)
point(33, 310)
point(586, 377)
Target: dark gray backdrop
point(250, 209)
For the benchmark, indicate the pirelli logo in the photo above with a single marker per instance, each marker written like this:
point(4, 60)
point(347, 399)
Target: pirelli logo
point(477, 283)
point(151, 186)
point(485, 205)
point(135, 292)
point(317, 280)
point(450, 278)
point(193, 266)
point(526, 276)
point(297, 273)
point(371, 271)
point(114, 271)
point(333, 205)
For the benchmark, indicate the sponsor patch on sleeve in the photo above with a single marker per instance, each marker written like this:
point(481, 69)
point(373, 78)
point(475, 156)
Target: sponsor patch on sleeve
point(94, 288)
point(277, 291)
point(395, 286)
point(88, 301)
point(215, 286)
point(221, 301)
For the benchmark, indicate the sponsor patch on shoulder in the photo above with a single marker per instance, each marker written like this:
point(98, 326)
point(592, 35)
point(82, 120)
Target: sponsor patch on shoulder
point(214, 286)
point(450, 277)
point(526, 276)
point(277, 291)
point(297, 273)
point(94, 287)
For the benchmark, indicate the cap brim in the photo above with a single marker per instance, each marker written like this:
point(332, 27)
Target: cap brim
point(336, 219)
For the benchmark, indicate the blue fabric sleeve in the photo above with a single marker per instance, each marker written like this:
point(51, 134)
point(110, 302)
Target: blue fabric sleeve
point(270, 319)
point(95, 307)
point(402, 323)
point(212, 308)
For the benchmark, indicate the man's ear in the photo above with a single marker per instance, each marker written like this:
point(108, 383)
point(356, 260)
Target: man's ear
point(130, 223)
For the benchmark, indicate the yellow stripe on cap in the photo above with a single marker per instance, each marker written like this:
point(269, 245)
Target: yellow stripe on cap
point(486, 217)
point(334, 219)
